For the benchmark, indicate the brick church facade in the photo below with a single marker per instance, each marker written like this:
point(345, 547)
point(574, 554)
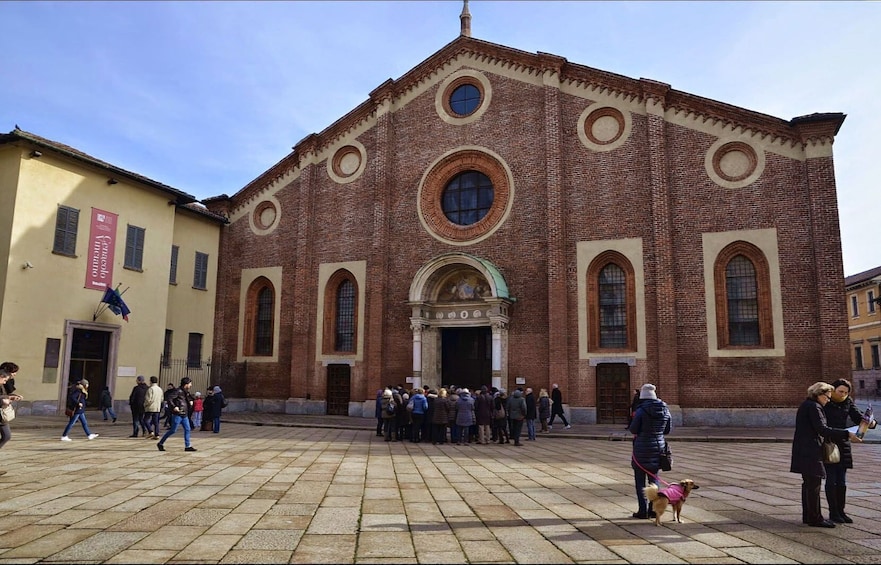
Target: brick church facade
point(502, 218)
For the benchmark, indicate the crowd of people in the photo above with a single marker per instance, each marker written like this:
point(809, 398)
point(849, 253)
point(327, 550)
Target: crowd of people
point(460, 416)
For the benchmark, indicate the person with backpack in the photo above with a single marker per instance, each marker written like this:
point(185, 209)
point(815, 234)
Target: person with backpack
point(388, 413)
point(106, 404)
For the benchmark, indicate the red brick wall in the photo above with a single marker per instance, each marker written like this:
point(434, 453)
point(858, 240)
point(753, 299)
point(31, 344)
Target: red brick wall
point(653, 187)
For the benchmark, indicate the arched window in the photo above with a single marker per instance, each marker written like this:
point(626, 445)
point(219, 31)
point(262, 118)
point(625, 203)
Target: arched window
point(345, 317)
point(340, 314)
point(611, 292)
point(259, 318)
point(743, 298)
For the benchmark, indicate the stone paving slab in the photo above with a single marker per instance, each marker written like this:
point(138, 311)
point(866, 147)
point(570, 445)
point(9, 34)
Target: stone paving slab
point(338, 494)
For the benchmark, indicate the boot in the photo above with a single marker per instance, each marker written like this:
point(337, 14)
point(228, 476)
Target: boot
point(832, 500)
point(841, 498)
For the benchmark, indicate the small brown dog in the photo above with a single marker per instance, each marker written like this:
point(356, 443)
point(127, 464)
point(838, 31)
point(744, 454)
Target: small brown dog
point(674, 495)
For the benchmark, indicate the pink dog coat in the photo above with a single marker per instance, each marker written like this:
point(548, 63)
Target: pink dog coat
point(673, 493)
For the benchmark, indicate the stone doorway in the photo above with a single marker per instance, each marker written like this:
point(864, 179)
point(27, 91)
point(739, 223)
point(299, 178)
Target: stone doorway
point(460, 307)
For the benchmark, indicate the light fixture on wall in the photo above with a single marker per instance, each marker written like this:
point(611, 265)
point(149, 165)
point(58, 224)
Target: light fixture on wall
point(36, 153)
point(27, 265)
point(112, 181)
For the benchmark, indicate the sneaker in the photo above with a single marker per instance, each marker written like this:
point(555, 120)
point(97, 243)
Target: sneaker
point(550, 428)
point(65, 438)
point(160, 447)
point(568, 427)
point(114, 420)
point(190, 449)
point(93, 436)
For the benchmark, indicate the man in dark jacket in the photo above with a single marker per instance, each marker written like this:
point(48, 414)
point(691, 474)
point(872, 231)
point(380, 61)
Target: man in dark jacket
point(531, 414)
point(651, 422)
point(179, 401)
point(136, 403)
point(557, 407)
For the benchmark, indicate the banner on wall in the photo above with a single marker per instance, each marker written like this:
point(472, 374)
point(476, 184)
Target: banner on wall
point(102, 243)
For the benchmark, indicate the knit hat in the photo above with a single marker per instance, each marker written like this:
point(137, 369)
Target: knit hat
point(648, 391)
point(217, 390)
point(198, 393)
point(140, 378)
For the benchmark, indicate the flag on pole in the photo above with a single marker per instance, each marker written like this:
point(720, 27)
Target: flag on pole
point(114, 301)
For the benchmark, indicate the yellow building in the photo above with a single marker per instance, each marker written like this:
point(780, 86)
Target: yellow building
point(70, 227)
point(864, 314)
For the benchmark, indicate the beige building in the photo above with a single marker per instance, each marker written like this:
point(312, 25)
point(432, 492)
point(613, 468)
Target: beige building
point(864, 315)
point(70, 227)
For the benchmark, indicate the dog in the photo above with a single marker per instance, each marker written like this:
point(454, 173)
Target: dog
point(674, 495)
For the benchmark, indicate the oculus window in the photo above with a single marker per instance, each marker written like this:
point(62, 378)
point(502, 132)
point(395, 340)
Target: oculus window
point(467, 198)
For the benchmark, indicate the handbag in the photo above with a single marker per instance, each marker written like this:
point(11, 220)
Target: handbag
point(7, 413)
point(666, 458)
point(831, 454)
point(68, 412)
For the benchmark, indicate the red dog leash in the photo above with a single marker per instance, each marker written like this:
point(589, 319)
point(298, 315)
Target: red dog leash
point(649, 473)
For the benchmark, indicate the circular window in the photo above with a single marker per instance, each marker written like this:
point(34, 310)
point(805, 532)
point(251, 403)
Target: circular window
point(264, 219)
point(467, 198)
point(464, 99)
point(734, 163)
point(604, 128)
point(347, 163)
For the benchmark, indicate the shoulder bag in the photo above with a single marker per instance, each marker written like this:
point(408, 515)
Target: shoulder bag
point(831, 454)
point(666, 457)
point(7, 413)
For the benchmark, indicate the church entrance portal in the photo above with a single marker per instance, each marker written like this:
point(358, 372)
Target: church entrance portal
point(466, 356)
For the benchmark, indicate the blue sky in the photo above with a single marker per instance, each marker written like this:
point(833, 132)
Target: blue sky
point(205, 96)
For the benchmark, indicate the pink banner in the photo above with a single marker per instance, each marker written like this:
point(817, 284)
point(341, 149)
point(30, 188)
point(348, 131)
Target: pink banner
point(102, 242)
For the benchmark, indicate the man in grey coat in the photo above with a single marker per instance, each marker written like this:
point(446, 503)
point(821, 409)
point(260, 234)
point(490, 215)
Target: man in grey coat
point(517, 415)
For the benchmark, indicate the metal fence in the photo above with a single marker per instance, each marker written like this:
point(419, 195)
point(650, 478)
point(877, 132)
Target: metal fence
point(173, 370)
point(229, 376)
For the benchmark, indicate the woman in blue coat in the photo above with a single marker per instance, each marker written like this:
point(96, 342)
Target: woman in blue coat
point(651, 422)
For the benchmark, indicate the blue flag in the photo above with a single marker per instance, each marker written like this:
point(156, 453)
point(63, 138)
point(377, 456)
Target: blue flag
point(114, 301)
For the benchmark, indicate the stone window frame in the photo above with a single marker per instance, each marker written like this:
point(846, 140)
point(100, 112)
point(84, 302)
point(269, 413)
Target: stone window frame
point(593, 301)
point(331, 288)
point(251, 321)
point(763, 287)
point(445, 90)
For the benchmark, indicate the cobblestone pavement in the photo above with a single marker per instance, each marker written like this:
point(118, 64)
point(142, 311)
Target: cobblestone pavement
point(308, 490)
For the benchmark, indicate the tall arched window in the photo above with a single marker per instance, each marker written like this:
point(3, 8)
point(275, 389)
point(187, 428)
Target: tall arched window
point(263, 322)
point(340, 314)
point(345, 317)
point(259, 318)
point(611, 303)
point(743, 298)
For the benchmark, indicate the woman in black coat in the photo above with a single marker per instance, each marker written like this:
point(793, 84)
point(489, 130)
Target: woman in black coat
point(811, 430)
point(651, 422)
point(841, 412)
